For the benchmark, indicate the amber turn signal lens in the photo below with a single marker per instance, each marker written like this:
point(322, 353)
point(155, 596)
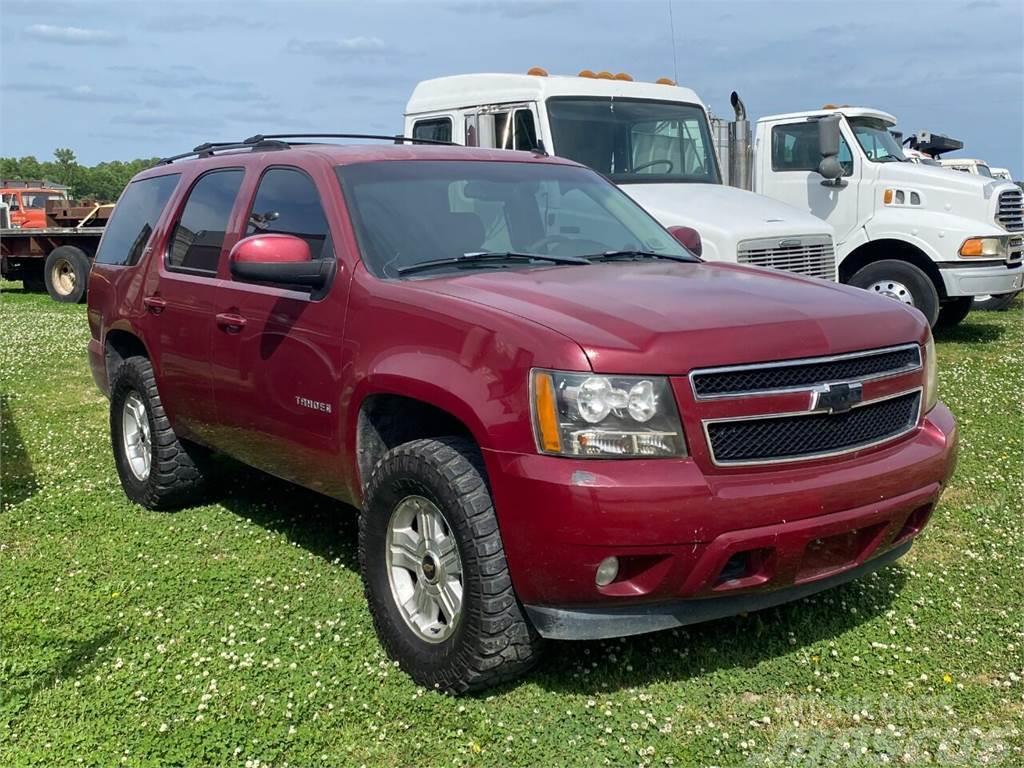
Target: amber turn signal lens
point(546, 412)
point(887, 196)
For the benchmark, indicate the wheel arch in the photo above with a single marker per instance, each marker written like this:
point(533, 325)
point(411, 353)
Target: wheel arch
point(387, 419)
point(120, 344)
point(891, 248)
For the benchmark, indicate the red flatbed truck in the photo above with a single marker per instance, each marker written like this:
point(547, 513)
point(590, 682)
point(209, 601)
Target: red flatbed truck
point(55, 257)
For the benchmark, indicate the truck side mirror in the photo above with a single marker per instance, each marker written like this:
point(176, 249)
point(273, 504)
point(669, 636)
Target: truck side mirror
point(828, 146)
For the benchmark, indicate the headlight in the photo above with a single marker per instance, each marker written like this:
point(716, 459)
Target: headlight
point(931, 377)
point(593, 416)
point(983, 247)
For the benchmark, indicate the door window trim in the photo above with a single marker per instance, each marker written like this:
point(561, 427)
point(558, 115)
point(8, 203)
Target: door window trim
point(180, 212)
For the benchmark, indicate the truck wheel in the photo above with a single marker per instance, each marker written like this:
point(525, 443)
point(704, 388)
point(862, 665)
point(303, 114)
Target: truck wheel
point(155, 467)
point(435, 573)
point(996, 303)
point(902, 281)
point(66, 274)
point(954, 311)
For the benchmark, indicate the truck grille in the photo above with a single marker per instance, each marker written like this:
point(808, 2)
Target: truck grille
point(1010, 211)
point(810, 435)
point(804, 374)
point(813, 256)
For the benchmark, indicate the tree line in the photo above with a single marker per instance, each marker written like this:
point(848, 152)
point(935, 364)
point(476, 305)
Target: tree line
point(102, 182)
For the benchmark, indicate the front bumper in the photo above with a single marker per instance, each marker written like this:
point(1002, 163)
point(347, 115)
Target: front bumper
point(695, 545)
point(981, 280)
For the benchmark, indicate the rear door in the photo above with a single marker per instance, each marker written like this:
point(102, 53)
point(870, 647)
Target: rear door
point(276, 350)
point(180, 306)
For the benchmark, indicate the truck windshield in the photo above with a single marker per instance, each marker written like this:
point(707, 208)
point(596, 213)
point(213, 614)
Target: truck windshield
point(634, 140)
point(37, 200)
point(407, 213)
point(876, 141)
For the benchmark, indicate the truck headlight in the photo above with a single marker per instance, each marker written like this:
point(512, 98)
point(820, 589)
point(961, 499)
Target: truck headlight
point(931, 375)
point(983, 247)
point(594, 416)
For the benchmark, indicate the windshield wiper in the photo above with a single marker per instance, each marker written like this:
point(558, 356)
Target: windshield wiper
point(638, 254)
point(484, 257)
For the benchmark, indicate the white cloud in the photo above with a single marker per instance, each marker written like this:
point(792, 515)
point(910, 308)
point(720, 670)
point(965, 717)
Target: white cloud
point(71, 35)
point(346, 47)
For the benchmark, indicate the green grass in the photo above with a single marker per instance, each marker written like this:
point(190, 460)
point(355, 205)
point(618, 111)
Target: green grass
point(237, 632)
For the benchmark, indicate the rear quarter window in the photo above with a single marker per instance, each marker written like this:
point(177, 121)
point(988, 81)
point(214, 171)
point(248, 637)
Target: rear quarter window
point(135, 217)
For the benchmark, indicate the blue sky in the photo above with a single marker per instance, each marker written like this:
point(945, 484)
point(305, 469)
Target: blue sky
point(117, 80)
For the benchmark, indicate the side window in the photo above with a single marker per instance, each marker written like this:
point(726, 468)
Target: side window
point(135, 216)
point(795, 148)
point(434, 129)
point(525, 130)
point(287, 202)
point(199, 234)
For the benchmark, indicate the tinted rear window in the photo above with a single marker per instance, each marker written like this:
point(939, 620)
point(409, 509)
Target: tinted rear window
point(135, 216)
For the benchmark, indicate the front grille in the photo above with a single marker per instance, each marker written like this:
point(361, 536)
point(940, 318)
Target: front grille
point(811, 256)
point(802, 374)
point(789, 437)
point(1010, 210)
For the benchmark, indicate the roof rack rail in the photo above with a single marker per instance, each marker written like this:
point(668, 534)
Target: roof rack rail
point(209, 148)
point(398, 139)
point(262, 141)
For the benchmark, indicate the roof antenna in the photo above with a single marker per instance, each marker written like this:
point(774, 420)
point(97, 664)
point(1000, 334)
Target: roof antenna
point(672, 31)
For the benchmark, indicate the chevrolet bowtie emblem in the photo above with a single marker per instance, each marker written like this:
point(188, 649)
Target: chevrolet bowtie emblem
point(836, 398)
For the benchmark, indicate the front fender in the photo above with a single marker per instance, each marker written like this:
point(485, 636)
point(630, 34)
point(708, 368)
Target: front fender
point(938, 235)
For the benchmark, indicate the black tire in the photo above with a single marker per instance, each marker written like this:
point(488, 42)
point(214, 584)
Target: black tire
point(998, 303)
point(493, 641)
point(888, 275)
point(175, 477)
point(66, 274)
point(953, 312)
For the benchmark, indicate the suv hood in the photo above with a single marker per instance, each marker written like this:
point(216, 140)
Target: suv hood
point(668, 317)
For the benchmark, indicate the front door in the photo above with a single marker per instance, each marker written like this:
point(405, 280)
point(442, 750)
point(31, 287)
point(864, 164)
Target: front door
point(277, 350)
point(792, 176)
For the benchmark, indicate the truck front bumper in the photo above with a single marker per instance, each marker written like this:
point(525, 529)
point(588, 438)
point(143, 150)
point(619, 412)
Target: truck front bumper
point(694, 546)
point(981, 280)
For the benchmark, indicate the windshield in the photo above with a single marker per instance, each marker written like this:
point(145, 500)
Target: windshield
point(984, 170)
point(37, 200)
point(876, 141)
point(634, 140)
point(411, 212)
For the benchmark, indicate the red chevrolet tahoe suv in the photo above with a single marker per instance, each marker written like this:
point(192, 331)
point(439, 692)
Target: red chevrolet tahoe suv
point(556, 421)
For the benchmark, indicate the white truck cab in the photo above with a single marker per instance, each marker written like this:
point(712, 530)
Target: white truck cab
point(969, 165)
point(652, 139)
point(915, 232)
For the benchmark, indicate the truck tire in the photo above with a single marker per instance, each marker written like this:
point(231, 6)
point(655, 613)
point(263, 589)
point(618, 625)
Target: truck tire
point(997, 303)
point(952, 312)
point(66, 274)
point(157, 470)
point(902, 281)
point(434, 569)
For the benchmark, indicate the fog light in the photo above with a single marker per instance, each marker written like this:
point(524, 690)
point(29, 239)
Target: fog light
point(607, 571)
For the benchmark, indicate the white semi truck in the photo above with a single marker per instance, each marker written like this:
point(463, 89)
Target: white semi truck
point(915, 232)
point(921, 235)
point(652, 139)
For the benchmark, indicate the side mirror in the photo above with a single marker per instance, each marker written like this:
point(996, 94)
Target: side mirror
point(828, 146)
point(689, 238)
point(277, 258)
